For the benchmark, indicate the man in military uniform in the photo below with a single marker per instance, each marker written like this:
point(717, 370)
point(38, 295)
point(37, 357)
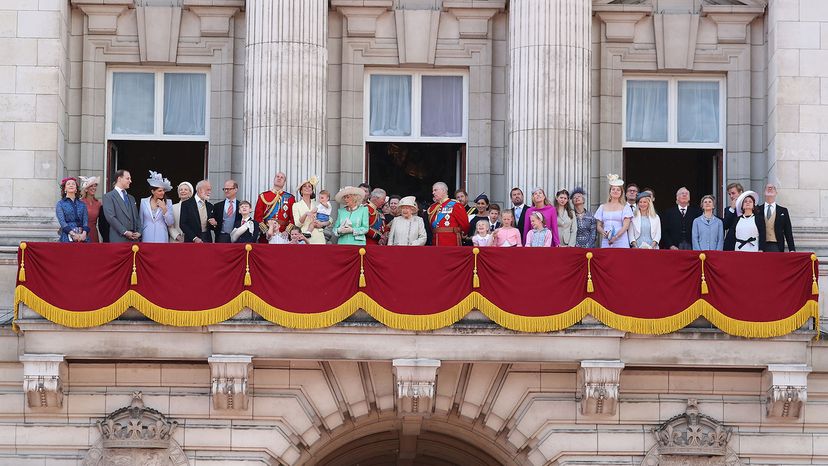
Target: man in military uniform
point(447, 218)
point(376, 219)
point(276, 204)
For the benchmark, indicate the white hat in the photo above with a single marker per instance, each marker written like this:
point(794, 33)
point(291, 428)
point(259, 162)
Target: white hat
point(347, 191)
point(741, 199)
point(87, 182)
point(409, 201)
point(615, 180)
point(156, 180)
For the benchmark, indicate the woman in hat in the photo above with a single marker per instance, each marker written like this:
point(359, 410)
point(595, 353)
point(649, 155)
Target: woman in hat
point(408, 229)
point(541, 203)
point(89, 186)
point(304, 212)
point(71, 214)
point(749, 230)
point(586, 235)
point(482, 215)
point(614, 216)
point(708, 229)
point(567, 225)
point(645, 228)
point(352, 219)
point(156, 210)
point(185, 191)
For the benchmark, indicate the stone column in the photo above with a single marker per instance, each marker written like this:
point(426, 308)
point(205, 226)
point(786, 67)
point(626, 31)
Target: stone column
point(549, 94)
point(285, 90)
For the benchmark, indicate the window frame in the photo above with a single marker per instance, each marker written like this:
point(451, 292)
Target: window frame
point(158, 117)
point(416, 105)
point(672, 112)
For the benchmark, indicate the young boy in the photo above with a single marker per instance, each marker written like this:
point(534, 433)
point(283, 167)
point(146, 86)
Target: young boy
point(323, 208)
point(244, 229)
point(494, 217)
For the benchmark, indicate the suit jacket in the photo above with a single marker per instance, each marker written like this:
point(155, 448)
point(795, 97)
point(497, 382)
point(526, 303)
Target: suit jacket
point(245, 237)
point(730, 237)
point(120, 217)
point(782, 226)
point(218, 214)
point(519, 222)
point(729, 223)
point(672, 222)
point(191, 222)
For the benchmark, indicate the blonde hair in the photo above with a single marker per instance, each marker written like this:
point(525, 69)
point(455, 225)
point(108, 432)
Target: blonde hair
point(651, 211)
point(546, 200)
point(620, 198)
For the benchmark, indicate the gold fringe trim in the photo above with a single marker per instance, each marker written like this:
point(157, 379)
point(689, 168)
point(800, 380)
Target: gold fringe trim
point(21, 274)
point(360, 300)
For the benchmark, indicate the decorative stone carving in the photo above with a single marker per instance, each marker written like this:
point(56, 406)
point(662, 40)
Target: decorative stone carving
point(158, 30)
point(619, 26)
point(675, 40)
point(215, 21)
point(42, 379)
point(417, 36)
point(787, 390)
point(732, 21)
point(102, 19)
point(361, 18)
point(691, 439)
point(598, 383)
point(230, 376)
point(136, 435)
point(416, 383)
point(474, 19)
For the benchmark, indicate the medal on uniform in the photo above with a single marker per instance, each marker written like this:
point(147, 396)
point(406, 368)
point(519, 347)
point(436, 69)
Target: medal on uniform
point(446, 223)
point(284, 207)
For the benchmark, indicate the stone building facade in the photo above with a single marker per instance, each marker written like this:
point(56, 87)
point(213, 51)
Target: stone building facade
point(545, 95)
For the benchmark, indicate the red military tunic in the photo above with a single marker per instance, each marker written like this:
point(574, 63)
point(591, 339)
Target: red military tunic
point(376, 224)
point(448, 220)
point(276, 205)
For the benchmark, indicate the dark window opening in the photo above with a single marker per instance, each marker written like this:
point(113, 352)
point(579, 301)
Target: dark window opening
point(178, 161)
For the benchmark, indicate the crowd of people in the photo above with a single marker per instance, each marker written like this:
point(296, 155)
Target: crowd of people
point(628, 218)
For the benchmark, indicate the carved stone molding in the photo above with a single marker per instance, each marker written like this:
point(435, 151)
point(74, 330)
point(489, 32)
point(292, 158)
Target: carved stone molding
point(691, 438)
point(787, 390)
point(732, 21)
point(598, 385)
point(416, 381)
point(675, 40)
point(158, 31)
point(230, 375)
point(474, 19)
point(43, 379)
point(417, 36)
point(361, 17)
point(102, 19)
point(620, 20)
point(215, 21)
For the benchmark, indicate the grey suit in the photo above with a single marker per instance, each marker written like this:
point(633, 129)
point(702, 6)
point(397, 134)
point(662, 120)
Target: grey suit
point(120, 217)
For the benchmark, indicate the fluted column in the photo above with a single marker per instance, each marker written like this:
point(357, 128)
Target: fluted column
point(549, 93)
point(285, 85)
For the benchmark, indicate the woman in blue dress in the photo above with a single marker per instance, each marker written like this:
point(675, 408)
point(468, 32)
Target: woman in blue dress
point(71, 214)
point(156, 211)
point(613, 217)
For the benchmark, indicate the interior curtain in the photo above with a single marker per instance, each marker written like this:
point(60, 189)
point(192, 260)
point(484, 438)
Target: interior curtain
point(698, 111)
point(646, 111)
point(442, 106)
point(390, 105)
point(185, 96)
point(133, 103)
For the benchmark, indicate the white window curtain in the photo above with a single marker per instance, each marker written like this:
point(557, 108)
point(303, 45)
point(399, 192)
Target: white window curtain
point(646, 111)
point(390, 105)
point(442, 106)
point(698, 111)
point(185, 96)
point(133, 103)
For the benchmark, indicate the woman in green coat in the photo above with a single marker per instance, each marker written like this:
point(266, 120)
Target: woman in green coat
point(351, 219)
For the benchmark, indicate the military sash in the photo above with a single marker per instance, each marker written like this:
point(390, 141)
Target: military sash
point(443, 215)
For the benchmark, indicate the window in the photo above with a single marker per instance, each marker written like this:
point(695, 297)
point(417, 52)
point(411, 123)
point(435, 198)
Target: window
point(418, 106)
point(158, 105)
point(673, 112)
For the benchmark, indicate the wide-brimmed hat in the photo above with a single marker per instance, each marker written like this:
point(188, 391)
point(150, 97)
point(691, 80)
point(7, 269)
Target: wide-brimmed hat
point(313, 181)
point(347, 191)
point(615, 180)
point(86, 182)
point(742, 198)
point(156, 180)
point(409, 201)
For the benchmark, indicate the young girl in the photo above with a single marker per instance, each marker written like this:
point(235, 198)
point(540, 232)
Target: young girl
point(274, 236)
point(539, 235)
point(482, 236)
point(507, 236)
point(296, 237)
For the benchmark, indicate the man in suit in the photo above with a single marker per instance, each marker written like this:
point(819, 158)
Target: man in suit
point(734, 190)
point(121, 211)
point(677, 223)
point(777, 223)
point(197, 215)
point(632, 196)
point(226, 213)
point(518, 208)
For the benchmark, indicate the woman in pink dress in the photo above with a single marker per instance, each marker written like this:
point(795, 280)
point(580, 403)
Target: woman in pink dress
point(89, 186)
point(540, 203)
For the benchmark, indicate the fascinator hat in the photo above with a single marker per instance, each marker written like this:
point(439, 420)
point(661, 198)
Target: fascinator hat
point(313, 181)
point(86, 182)
point(156, 180)
point(615, 180)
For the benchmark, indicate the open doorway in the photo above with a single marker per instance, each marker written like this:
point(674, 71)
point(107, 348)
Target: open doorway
point(177, 160)
point(667, 170)
point(410, 169)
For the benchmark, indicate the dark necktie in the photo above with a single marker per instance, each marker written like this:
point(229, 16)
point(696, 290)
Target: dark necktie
point(683, 211)
point(126, 199)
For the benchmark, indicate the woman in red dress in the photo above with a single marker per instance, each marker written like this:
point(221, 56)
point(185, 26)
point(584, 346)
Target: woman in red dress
point(89, 186)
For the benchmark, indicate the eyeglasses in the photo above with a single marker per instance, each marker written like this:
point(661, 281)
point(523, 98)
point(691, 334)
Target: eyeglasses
point(228, 189)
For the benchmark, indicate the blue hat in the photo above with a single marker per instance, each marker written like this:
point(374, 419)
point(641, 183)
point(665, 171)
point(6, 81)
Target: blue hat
point(482, 197)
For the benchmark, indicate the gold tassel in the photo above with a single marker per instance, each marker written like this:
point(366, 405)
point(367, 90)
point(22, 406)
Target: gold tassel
point(362, 267)
point(704, 289)
point(475, 278)
point(134, 278)
point(247, 281)
point(814, 284)
point(21, 275)
point(590, 286)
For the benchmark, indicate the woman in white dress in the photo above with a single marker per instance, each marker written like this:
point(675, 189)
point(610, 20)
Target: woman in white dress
point(185, 191)
point(304, 213)
point(156, 211)
point(645, 229)
point(750, 229)
point(614, 217)
point(408, 229)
